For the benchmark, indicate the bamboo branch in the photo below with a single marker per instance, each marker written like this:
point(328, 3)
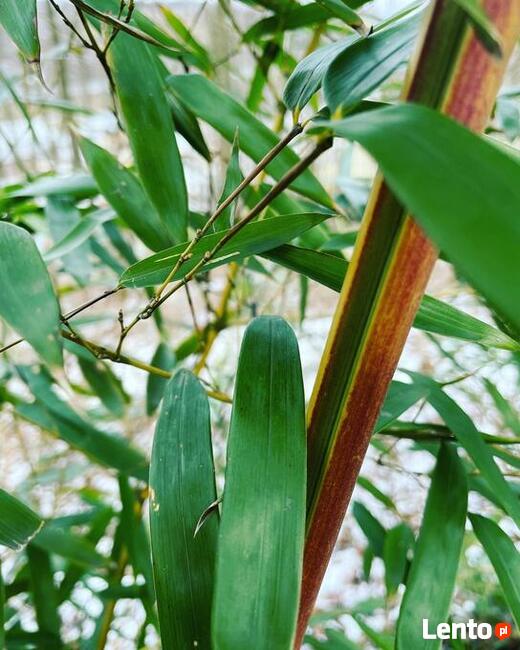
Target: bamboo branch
point(275, 191)
point(392, 261)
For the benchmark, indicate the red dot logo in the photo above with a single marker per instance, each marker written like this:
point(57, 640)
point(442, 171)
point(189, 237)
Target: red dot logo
point(503, 630)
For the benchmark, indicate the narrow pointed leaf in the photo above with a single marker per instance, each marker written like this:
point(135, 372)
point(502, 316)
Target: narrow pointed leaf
point(433, 315)
point(411, 143)
point(366, 63)
point(233, 179)
point(44, 594)
point(63, 217)
point(504, 558)
point(263, 519)
point(182, 485)
point(150, 130)
point(55, 415)
point(18, 523)
point(164, 358)
point(253, 238)
point(27, 300)
point(398, 542)
point(469, 437)
point(340, 9)
point(225, 115)
point(126, 195)
point(20, 21)
point(437, 553)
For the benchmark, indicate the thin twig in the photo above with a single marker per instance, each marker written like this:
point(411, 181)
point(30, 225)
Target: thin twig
point(71, 314)
point(157, 300)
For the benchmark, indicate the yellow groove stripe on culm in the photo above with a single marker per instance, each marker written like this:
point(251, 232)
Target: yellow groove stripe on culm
point(454, 73)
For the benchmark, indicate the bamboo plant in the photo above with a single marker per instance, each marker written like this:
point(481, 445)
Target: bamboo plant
point(221, 533)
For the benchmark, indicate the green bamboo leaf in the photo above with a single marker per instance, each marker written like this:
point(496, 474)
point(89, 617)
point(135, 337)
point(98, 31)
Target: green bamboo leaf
point(383, 498)
point(263, 519)
point(187, 38)
point(510, 417)
point(233, 179)
point(19, 20)
point(469, 437)
point(182, 486)
point(398, 542)
point(307, 77)
point(411, 142)
point(186, 124)
point(150, 130)
point(164, 358)
point(208, 102)
point(340, 9)
point(63, 217)
point(28, 303)
point(126, 196)
point(433, 315)
point(55, 415)
point(295, 17)
point(44, 594)
point(400, 398)
point(379, 639)
point(56, 540)
point(137, 542)
point(504, 558)
point(81, 186)
point(253, 238)
point(437, 553)
point(362, 66)
point(18, 523)
point(374, 531)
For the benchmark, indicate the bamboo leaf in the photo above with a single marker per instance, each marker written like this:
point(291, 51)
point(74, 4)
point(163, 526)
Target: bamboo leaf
point(371, 527)
point(55, 415)
point(437, 552)
point(307, 76)
point(44, 594)
point(19, 20)
point(510, 417)
point(182, 485)
point(27, 300)
point(411, 142)
point(433, 315)
point(293, 18)
point(398, 542)
point(366, 63)
point(225, 114)
point(79, 233)
point(263, 518)
point(253, 238)
point(504, 558)
point(81, 186)
point(468, 436)
point(164, 358)
point(18, 523)
point(125, 194)
point(341, 10)
point(63, 217)
point(52, 538)
point(233, 179)
point(150, 130)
